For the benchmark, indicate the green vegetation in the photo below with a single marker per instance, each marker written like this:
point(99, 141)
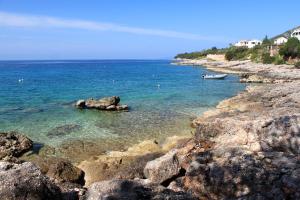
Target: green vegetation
point(278, 60)
point(267, 58)
point(291, 49)
point(236, 53)
point(297, 64)
point(201, 54)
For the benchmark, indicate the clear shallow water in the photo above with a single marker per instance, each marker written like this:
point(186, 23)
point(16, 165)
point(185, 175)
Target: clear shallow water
point(41, 105)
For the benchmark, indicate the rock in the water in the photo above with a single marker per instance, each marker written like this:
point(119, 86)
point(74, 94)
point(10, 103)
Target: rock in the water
point(25, 181)
point(122, 107)
point(13, 144)
point(133, 190)
point(106, 103)
point(163, 168)
point(80, 103)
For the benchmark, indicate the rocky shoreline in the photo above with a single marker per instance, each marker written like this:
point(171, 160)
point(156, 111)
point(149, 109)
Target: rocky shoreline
point(254, 138)
point(246, 148)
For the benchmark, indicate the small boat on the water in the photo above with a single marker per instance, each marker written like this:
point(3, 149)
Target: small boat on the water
point(214, 76)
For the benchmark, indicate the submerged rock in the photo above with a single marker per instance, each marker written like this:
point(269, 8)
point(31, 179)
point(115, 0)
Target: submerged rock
point(106, 103)
point(63, 130)
point(13, 144)
point(25, 181)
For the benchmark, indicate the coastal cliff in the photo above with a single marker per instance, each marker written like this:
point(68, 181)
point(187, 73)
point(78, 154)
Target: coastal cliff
point(246, 148)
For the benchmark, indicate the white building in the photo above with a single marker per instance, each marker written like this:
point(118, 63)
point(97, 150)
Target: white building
point(248, 43)
point(296, 33)
point(280, 40)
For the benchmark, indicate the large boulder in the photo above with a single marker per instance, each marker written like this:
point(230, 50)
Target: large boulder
point(163, 168)
point(64, 171)
point(13, 144)
point(106, 103)
point(25, 181)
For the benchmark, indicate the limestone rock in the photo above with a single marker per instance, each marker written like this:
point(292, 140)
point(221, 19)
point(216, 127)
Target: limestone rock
point(163, 168)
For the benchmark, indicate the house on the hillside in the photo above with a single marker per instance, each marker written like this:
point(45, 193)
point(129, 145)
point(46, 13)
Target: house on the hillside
point(241, 43)
point(296, 33)
point(280, 40)
point(248, 43)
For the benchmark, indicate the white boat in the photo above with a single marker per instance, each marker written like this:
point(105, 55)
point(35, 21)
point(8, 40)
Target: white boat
point(216, 76)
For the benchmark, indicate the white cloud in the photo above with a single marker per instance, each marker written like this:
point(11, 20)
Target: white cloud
point(18, 20)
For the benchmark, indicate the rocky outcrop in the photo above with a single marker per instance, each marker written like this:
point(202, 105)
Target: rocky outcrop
point(25, 181)
point(134, 190)
point(13, 144)
point(106, 103)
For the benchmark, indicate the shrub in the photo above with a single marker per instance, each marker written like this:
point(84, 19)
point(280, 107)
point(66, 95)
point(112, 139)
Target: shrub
point(297, 65)
point(256, 53)
point(236, 53)
point(267, 59)
point(291, 49)
point(278, 60)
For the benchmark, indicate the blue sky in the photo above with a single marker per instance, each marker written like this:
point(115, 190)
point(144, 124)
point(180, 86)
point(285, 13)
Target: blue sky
point(135, 29)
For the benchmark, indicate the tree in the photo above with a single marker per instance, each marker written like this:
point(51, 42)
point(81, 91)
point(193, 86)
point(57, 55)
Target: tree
point(291, 49)
point(266, 41)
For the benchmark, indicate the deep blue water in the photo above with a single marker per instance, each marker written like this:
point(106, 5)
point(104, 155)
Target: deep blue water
point(163, 98)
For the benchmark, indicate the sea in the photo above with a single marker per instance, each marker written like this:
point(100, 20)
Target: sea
point(37, 99)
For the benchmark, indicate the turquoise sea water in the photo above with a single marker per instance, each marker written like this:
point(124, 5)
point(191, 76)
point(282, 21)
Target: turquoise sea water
point(163, 99)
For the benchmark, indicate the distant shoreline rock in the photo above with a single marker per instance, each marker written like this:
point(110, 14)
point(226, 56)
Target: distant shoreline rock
point(106, 103)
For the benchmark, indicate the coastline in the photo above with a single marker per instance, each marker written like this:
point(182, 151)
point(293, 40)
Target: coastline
point(252, 137)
